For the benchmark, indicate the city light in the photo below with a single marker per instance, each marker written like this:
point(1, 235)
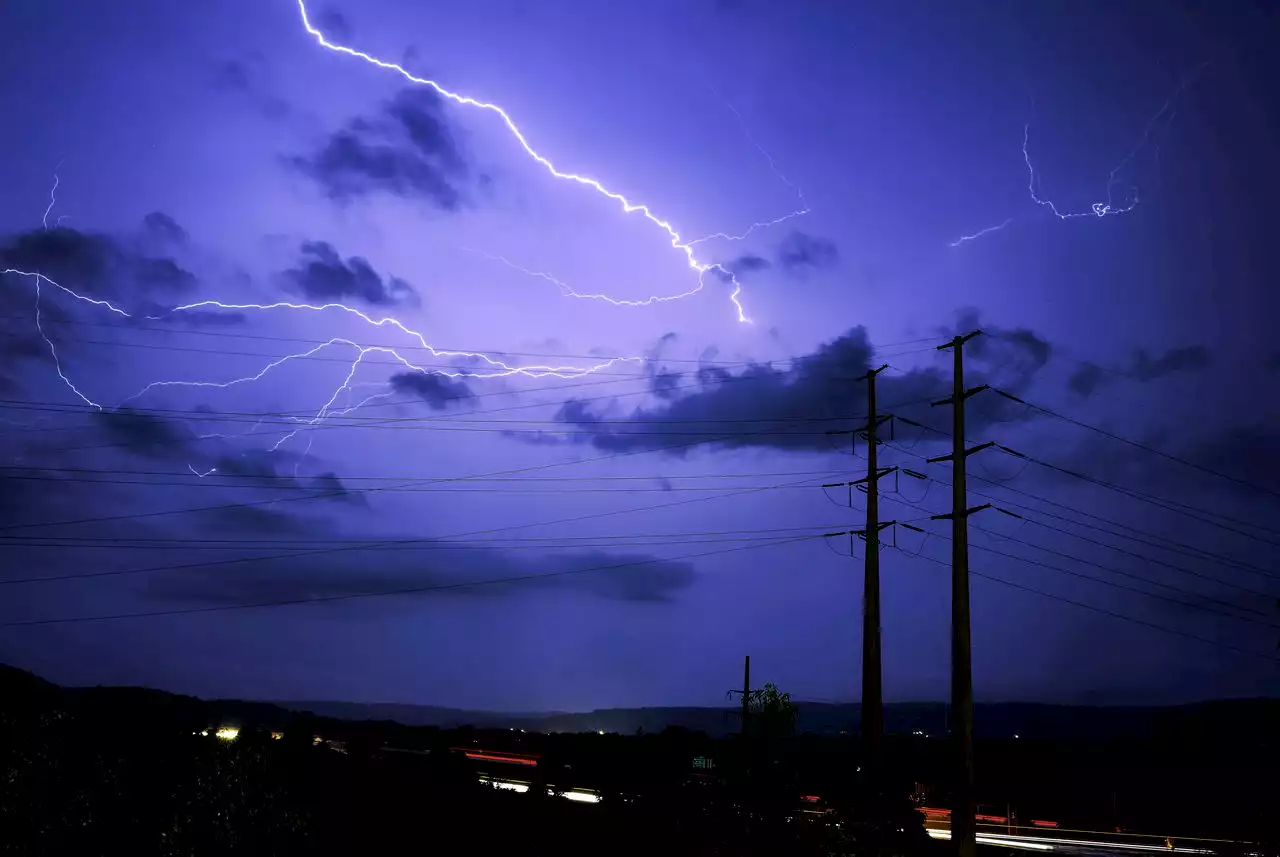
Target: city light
point(228, 733)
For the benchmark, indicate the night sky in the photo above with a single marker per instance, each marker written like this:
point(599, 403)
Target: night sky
point(594, 492)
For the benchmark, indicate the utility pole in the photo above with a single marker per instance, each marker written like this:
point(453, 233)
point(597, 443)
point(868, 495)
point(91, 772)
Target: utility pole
point(872, 685)
point(964, 803)
point(746, 692)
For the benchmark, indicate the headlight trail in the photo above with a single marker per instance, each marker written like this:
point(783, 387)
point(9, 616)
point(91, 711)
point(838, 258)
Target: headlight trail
point(699, 267)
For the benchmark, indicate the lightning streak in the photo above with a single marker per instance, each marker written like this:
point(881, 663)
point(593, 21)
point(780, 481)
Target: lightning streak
point(773, 166)
point(489, 367)
point(57, 364)
point(1103, 208)
point(963, 238)
point(676, 241)
point(569, 292)
point(53, 197)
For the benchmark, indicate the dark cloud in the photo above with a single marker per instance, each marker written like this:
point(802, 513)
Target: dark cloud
point(164, 227)
point(451, 568)
point(800, 251)
point(248, 520)
point(665, 385)
point(749, 262)
point(1148, 368)
point(438, 391)
point(145, 434)
point(408, 150)
point(278, 469)
point(323, 275)
point(329, 484)
point(792, 407)
point(97, 264)
point(1089, 377)
point(244, 77)
point(741, 266)
point(334, 24)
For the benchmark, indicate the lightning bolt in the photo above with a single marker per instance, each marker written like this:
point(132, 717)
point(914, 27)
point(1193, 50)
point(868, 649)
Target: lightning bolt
point(773, 166)
point(53, 198)
point(53, 351)
point(482, 365)
point(975, 236)
point(569, 292)
point(1103, 208)
point(700, 268)
point(491, 366)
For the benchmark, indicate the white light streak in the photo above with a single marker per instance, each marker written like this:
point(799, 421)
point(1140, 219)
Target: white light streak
point(628, 207)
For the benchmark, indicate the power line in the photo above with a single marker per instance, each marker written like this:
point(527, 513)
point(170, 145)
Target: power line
point(345, 548)
point(1162, 584)
point(1144, 447)
point(260, 486)
point(1185, 509)
point(1118, 585)
point(410, 347)
point(1106, 612)
point(1159, 502)
point(169, 543)
point(1190, 551)
point(354, 478)
point(385, 593)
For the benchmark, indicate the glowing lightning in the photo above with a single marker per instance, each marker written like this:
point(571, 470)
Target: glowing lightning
point(490, 366)
point(1100, 209)
point(53, 197)
point(57, 364)
point(628, 207)
point(773, 166)
point(975, 236)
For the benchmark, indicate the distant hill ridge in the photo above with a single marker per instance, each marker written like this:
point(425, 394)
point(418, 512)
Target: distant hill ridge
point(992, 720)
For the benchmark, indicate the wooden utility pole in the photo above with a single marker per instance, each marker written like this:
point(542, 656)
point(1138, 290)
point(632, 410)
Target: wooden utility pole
point(746, 692)
point(964, 804)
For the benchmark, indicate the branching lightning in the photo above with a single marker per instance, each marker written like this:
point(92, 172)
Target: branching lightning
point(700, 268)
point(53, 351)
point(1108, 207)
point(569, 292)
point(491, 366)
point(461, 364)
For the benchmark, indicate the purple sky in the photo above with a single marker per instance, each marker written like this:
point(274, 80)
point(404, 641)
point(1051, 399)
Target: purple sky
point(218, 152)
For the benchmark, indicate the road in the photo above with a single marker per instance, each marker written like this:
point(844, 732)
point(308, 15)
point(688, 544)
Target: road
point(1069, 841)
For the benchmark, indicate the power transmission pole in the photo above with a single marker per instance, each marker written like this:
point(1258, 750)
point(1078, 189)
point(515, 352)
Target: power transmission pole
point(964, 804)
point(872, 685)
point(746, 693)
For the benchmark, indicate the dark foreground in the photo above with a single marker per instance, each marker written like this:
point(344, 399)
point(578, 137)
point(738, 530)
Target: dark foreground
point(132, 771)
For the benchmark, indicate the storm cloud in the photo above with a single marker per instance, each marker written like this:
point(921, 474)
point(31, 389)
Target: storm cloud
point(408, 149)
point(792, 408)
point(801, 251)
point(1089, 377)
point(323, 275)
point(430, 567)
point(438, 391)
